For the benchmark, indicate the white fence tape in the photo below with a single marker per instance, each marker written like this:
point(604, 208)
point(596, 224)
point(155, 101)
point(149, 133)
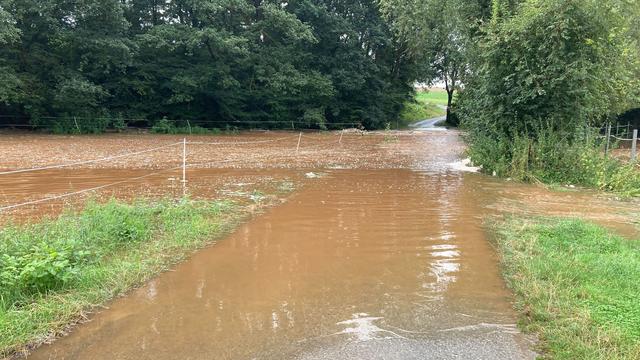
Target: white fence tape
point(240, 142)
point(87, 161)
point(323, 146)
point(61, 196)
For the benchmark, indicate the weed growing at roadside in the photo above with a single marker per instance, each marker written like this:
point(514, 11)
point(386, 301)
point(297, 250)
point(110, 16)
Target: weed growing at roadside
point(52, 270)
point(554, 159)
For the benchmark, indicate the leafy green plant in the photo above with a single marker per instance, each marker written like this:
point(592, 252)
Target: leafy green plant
point(163, 126)
point(556, 159)
point(52, 270)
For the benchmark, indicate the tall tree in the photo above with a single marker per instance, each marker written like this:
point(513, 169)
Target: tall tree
point(438, 35)
point(264, 63)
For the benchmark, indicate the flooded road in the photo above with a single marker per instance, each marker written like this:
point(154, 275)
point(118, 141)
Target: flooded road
point(383, 256)
point(361, 264)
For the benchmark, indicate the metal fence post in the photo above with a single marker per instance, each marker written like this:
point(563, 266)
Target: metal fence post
point(184, 166)
point(606, 149)
point(634, 142)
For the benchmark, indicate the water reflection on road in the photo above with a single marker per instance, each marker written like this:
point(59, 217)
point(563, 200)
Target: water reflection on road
point(361, 264)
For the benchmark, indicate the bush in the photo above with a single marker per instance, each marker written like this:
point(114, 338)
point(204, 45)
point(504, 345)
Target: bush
point(163, 126)
point(554, 158)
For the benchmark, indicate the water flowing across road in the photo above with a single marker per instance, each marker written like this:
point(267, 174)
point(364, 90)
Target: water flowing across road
point(361, 264)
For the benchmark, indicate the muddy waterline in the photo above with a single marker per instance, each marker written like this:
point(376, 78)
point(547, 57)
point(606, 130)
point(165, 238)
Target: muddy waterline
point(357, 260)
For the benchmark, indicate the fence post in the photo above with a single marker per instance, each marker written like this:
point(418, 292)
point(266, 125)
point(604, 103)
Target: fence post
point(184, 166)
point(633, 145)
point(606, 149)
point(189, 125)
point(341, 133)
point(299, 138)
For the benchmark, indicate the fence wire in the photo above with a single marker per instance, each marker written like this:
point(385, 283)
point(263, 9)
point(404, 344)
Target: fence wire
point(305, 149)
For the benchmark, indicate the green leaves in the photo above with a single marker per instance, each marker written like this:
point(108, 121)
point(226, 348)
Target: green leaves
point(234, 60)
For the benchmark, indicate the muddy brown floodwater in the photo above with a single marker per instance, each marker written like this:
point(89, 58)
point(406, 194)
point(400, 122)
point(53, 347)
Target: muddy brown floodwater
point(361, 264)
point(384, 256)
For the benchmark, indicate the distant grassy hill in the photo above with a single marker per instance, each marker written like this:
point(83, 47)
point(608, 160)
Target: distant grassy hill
point(424, 107)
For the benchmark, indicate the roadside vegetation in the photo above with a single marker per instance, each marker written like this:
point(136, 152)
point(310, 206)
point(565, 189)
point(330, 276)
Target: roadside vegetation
point(53, 271)
point(530, 77)
point(424, 106)
point(576, 286)
point(547, 70)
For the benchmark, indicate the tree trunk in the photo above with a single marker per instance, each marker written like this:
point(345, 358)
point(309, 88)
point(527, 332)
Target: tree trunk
point(449, 100)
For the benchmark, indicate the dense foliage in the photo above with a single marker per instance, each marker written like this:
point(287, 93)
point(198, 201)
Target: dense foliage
point(439, 37)
point(91, 64)
point(545, 71)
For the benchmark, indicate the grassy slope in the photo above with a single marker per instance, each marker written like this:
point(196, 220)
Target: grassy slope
point(576, 286)
point(433, 97)
point(425, 107)
point(52, 272)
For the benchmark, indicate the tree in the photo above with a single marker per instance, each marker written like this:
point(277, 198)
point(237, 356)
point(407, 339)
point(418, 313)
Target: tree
point(557, 64)
point(262, 63)
point(438, 34)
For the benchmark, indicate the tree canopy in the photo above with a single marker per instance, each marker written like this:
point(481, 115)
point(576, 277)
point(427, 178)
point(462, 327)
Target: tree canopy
point(318, 63)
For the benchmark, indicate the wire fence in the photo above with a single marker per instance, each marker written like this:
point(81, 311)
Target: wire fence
point(113, 122)
point(296, 149)
point(620, 133)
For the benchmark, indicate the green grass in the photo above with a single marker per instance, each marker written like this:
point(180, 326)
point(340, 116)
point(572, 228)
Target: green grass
point(424, 107)
point(433, 97)
point(554, 158)
point(576, 286)
point(53, 271)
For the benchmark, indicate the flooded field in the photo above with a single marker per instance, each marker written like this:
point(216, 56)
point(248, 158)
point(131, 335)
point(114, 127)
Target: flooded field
point(380, 253)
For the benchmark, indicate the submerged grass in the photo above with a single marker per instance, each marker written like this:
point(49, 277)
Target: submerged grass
point(53, 271)
point(576, 287)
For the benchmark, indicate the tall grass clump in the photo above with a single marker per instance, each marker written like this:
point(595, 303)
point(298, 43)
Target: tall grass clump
point(576, 287)
point(551, 157)
point(52, 271)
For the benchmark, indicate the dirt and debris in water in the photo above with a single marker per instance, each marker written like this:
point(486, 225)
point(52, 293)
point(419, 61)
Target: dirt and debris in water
point(357, 259)
point(380, 254)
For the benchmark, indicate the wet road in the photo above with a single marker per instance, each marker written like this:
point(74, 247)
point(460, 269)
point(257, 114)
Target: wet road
point(360, 264)
point(429, 124)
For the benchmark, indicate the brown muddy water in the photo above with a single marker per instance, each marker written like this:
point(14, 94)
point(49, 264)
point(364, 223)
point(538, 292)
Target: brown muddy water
point(383, 257)
point(361, 264)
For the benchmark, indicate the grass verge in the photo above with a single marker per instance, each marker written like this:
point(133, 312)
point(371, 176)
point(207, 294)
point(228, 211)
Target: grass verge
point(52, 272)
point(424, 107)
point(576, 286)
point(433, 96)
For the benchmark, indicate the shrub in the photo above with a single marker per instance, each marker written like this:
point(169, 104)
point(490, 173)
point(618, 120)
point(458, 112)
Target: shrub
point(554, 158)
point(163, 126)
